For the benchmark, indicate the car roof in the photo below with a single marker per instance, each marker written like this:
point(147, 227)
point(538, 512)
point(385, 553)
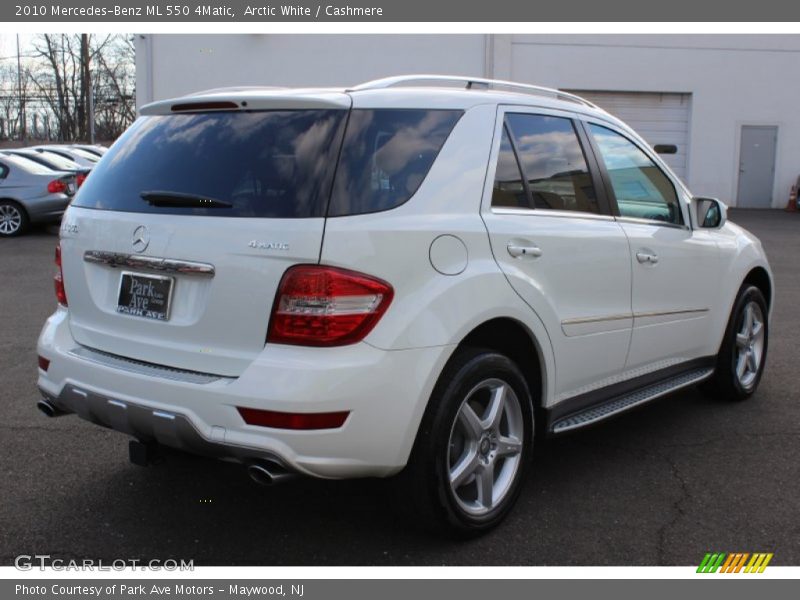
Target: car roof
point(405, 91)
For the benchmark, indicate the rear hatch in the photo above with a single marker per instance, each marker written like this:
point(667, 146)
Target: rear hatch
point(173, 249)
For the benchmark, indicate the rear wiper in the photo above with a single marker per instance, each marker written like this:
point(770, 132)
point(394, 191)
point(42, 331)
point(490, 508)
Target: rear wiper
point(178, 199)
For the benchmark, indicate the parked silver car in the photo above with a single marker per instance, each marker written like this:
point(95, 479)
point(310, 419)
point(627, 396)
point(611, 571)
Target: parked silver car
point(54, 162)
point(94, 149)
point(30, 193)
point(82, 157)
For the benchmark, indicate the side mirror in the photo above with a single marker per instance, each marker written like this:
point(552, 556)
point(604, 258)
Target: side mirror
point(711, 212)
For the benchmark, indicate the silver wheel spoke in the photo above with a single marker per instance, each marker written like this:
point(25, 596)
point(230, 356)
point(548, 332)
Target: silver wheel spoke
point(742, 340)
point(508, 446)
point(748, 320)
point(757, 327)
point(463, 469)
point(741, 365)
point(752, 363)
point(470, 421)
point(496, 405)
point(486, 486)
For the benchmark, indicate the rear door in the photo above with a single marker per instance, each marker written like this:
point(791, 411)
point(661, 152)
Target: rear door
point(174, 247)
point(561, 250)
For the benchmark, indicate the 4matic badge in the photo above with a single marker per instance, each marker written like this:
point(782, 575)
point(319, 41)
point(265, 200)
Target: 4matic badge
point(268, 245)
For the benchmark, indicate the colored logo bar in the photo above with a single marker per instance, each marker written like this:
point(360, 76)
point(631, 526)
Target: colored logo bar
point(735, 562)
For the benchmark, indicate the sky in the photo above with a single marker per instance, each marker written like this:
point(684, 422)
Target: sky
point(8, 44)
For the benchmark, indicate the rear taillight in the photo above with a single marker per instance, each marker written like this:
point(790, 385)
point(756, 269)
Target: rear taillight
point(80, 178)
point(44, 364)
point(58, 279)
point(57, 186)
point(326, 306)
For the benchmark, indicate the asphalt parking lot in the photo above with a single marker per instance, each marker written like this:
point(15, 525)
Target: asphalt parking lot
point(658, 486)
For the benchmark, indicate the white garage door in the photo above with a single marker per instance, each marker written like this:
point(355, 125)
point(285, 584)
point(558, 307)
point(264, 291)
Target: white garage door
point(658, 118)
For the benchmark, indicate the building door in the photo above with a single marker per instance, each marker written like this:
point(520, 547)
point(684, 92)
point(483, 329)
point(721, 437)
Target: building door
point(756, 166)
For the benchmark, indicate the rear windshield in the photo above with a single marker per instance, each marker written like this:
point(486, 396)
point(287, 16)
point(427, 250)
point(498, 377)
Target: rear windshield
point(53, 160)
point(271, 164)
point(27, 164)
point(276, 164)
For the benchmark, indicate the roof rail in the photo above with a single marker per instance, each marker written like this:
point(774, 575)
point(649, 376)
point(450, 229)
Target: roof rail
point(471, 83)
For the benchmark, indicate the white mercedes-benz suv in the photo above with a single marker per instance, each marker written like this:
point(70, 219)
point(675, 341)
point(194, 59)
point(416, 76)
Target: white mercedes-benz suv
point(408, 278)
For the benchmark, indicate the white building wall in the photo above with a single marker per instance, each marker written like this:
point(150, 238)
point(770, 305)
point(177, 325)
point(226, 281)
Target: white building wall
point(734, 80)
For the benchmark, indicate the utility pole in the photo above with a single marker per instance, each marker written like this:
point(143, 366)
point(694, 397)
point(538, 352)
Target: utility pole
point(87, 86)
point(22, 132)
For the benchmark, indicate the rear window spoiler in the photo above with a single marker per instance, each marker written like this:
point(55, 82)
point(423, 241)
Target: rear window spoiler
point(267, 99)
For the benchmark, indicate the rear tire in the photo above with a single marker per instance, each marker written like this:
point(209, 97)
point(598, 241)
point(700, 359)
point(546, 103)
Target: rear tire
point(473, 446)
point(13, 219)
point(741, 359)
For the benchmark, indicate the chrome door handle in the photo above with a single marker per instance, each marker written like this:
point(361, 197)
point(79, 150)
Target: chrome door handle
point(519, 251)
point(646, 257)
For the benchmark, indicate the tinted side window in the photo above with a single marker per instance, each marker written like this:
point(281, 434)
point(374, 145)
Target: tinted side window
point(553, 163)
point(642, 190)
point(3, 171)
point(271, 164)
point(509, 190)
point(385, 156)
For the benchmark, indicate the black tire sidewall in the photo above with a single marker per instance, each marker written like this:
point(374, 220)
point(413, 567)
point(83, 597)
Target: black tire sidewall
point(728, 382)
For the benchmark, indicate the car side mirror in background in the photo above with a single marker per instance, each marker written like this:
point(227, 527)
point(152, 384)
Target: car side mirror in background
point(711, 212)
point(665, 149)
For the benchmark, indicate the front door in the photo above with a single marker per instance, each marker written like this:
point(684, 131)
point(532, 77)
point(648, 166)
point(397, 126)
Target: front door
point(676, 270)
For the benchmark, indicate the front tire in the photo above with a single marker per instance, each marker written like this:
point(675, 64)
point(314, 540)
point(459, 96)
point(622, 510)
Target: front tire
point(741, 360)
point(473, 446)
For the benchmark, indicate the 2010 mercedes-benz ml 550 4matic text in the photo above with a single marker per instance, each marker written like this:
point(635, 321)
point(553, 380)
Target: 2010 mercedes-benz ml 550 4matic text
point(411, 276)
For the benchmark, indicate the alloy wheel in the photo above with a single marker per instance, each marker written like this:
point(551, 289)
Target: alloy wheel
point(10, 219)
point(485, 447)
point(749, 345)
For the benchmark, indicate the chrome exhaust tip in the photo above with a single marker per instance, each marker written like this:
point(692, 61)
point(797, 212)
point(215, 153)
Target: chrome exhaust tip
point(269, 473)
point(49, 409)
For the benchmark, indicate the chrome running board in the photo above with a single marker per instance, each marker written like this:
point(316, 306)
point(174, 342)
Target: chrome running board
point(618, 404)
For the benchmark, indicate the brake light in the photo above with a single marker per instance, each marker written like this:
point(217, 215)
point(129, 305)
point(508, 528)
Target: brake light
point(326, 306)
point(58, 279)
point(80, 178)
point(44, 364)
point(57, 187)
point(282, 420)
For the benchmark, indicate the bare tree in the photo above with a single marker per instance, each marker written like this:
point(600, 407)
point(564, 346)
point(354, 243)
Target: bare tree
point(72, 71)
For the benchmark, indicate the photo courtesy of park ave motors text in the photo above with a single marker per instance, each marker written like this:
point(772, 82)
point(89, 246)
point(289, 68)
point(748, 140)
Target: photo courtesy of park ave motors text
point(474, 299)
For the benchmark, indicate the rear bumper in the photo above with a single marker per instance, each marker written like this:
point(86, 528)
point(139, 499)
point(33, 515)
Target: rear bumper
point(385, 391)
point(47, 208)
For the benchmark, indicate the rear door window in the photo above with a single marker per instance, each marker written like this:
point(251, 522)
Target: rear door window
point(271, 164)
point(385, 157)
point(509, 190)
point(553, 163)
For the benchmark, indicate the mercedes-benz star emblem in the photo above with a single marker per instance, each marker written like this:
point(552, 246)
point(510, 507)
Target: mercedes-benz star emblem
point(141, 238)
